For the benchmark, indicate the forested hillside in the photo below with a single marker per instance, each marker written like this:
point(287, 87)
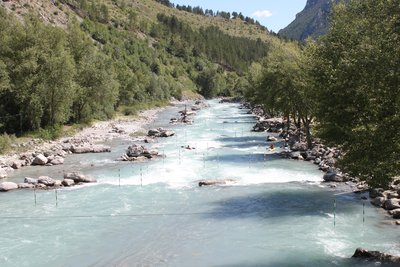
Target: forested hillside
point(72, 61)
point(344, 88)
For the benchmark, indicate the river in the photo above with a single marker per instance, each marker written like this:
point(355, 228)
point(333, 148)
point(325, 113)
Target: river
point(275, 213)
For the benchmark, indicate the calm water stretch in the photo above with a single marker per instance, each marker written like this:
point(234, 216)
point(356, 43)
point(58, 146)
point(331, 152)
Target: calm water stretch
point(154, 214)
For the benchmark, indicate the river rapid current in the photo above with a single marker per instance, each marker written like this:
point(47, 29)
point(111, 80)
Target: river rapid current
point(275, 212)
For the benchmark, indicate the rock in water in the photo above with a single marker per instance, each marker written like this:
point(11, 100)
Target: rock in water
point(375, 256)
point(68, 182)
point(40, 160)
point(25, 186)
point(78, 177)
point(332, 177)
point(46, 180)
point(29, 180)
point(7, 186)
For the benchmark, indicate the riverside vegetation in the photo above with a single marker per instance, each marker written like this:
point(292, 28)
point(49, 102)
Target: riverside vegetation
point(342, 88)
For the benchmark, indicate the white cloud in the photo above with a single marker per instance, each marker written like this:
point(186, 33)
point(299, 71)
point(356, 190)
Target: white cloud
point(262, 13)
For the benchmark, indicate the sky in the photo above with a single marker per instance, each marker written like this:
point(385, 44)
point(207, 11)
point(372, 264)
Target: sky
point(274, 14)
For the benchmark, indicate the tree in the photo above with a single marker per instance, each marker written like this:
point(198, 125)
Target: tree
point(356, 73)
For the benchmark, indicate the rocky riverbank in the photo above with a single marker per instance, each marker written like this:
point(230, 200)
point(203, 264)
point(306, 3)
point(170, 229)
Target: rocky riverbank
point(88, 140)
point(293, 141)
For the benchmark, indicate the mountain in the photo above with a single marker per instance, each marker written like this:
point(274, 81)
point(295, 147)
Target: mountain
point(311, 22)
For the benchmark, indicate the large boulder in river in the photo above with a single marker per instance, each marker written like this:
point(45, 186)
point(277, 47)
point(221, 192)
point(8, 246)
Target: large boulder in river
point(40, 160)
point(79, 177)
point(160, 132)
point(7, 186)
point(46, 180)
point(3, 173)
point(375, 256)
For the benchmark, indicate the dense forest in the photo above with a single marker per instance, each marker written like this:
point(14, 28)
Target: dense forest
point(50, 76)
point(346, 86)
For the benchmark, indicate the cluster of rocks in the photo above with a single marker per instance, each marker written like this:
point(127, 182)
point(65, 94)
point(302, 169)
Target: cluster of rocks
point(137, 152)
point(82, 146)
point(160, 132)
point(375, 256)
point(49, 156)
point(186, 115)
point(387, 199)
point(272, 125)
point(46, 182)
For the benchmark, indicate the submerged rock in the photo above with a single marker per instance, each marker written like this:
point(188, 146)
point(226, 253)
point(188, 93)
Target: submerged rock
point(375, 256)
point(215, 182)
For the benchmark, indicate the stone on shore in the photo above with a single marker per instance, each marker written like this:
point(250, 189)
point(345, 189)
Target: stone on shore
point(17, 164)
point(396, 214)
point(375, 256)
point(3, 173)
point(376, 192)
point(46, 180)
point(7, 186)
point(391, 204)
point(40, 160)
point(271, 139)
point(378, 201)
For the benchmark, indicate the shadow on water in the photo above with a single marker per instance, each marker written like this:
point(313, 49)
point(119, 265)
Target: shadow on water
point(301, 262)
point(243, 158)
point(277, 204)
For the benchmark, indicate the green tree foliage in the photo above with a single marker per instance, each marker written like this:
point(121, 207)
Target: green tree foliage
point(356, 73)
point(280, 85)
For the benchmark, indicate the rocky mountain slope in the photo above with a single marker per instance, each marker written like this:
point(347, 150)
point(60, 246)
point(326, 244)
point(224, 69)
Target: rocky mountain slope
point(311, 22)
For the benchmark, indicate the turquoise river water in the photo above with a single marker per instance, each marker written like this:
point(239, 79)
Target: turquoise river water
point(277, 213)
